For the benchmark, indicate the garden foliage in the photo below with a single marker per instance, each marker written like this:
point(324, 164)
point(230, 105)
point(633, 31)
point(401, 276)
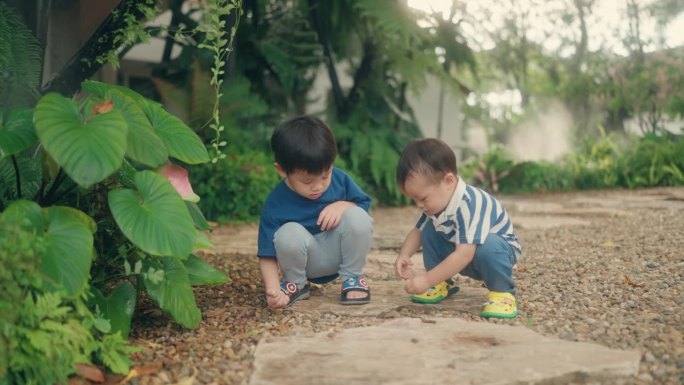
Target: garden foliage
point(608, 161)
point(93, 219)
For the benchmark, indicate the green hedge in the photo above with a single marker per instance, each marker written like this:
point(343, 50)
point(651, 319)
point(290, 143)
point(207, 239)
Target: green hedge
point(235, 188)
point(605, 162)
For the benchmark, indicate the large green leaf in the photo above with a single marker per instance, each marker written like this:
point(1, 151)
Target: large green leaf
point(182, 143)
point(174, 293)
point(180, 140)
point(154, 218)
point(68, 237)
point(88, 151)
point(202, 273)
point(69, 249)
point(197, 216)
point(117, 307)
point(27, 214)
point(18, 133)
point(144, 145)
point(101, 89)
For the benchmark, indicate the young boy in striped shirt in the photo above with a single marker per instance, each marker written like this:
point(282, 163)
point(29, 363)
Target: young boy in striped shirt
point(463, 230)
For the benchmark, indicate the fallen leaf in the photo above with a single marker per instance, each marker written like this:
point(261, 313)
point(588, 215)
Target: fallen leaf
point(90, 372)
point(283, 328)
point(103, 107)
point(113, 379)
point(78, 381)
point(608, 244)
point(629, 282)
point(150, 344)
point(143, 370)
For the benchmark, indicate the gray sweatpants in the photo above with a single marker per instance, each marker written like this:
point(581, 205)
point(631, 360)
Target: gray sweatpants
point(342, 250)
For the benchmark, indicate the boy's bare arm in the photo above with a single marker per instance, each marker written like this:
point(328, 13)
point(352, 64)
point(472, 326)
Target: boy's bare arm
point(269, 272)
point(408, 248)
point(453, 264)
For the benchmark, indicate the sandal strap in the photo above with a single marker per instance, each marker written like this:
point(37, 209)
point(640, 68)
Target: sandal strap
point(289, 288)
point(355, 283)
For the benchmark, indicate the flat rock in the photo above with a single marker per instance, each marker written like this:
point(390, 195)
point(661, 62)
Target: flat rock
point(411, 351)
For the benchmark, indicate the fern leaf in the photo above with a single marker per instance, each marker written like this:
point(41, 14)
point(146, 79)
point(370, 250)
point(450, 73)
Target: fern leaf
point(114, 353)
point(20, 59)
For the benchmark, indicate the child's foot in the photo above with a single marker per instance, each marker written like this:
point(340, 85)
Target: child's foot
point(355, 291)
point(499, 305)
point(437, 293)
point(294, 292)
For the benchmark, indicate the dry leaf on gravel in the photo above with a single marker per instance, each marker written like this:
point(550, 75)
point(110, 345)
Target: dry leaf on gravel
point(143, 370)
point(90, 372)
point(628, 281)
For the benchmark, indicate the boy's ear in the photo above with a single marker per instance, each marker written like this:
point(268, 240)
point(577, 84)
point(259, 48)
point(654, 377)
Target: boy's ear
point(280, 170)
point(450, 178)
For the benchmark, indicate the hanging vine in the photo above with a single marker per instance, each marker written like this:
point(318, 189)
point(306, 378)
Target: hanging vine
point(213, 26)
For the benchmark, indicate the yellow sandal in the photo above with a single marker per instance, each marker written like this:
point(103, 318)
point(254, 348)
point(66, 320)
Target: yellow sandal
point(499, 305)
point(436, 293)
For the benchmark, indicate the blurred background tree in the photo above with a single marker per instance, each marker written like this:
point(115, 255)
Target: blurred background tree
point(532, 81)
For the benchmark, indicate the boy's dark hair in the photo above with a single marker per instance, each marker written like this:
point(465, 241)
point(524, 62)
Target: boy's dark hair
point(429, 157)
point(304, 143)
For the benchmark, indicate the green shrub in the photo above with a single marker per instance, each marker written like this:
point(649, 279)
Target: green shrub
point(235, 188)
point(596, 164)
point(655, 161)
point(542, 176)
point(43, 333)
point(488, 170)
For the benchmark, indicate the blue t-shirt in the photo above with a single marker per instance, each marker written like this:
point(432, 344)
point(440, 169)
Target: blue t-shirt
point(284, 205)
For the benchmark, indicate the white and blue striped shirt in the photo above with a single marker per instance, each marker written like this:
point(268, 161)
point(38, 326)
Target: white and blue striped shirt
point(470, 216)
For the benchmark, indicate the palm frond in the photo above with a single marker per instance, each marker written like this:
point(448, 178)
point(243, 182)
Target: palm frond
point(393, 19)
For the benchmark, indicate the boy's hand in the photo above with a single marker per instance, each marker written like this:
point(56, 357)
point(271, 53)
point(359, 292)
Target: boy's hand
point(332, 214)
point(276, 299)
point(402, 266)
point(417, 285)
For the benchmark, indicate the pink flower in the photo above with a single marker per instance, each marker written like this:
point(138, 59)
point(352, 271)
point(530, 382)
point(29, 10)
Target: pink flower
point(178, 177)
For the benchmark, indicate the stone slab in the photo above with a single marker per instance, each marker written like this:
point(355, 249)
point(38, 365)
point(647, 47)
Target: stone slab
point(380, 264)
point(410, 351)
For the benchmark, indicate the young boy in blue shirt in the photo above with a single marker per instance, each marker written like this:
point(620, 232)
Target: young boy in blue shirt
point(463, 230)
point(315, 224)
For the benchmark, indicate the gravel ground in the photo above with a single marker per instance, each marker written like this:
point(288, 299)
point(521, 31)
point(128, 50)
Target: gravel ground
point(618, 282)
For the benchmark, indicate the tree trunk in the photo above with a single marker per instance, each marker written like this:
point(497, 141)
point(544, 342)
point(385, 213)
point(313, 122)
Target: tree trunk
point(324, 40)
point(440, 111)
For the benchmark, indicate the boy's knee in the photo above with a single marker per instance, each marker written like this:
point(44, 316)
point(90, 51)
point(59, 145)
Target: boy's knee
point(357, 220)
point(290, 236)
point(493, 255)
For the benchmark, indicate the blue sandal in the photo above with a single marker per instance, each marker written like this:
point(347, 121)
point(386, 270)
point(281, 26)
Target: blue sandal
point(355, 284)
point(294, 292)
